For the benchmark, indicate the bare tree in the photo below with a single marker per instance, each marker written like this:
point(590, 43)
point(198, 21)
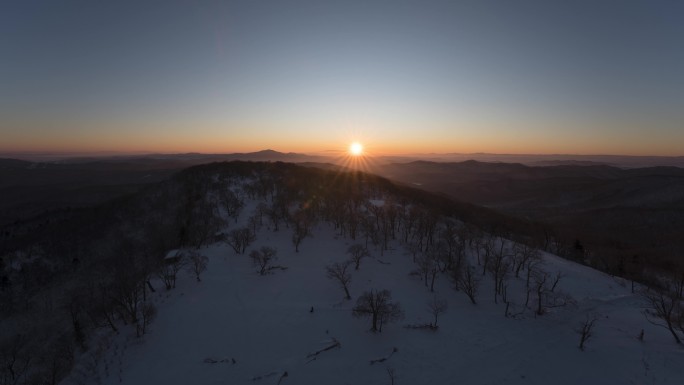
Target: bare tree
point(262, 258)
point(391, 374)
point(303, 220)
point(298, 235)
point(556, 279)
point(436, 306)
point(148, 313)
point(522, 255)
point(585, 330)
point(466, 280)
point(198, 264)
point(547, 297)
point(231, 203)
point(427, 268)
point(499, 267)
point(369, 230)
point(254, 223)
point(435, 255)
point(170, 267)
point(261, 209)
point(453, 248)
point(273, 213)
point(338, 271)
point(540, 287)
point(378, 306)
point(357, 252)
point(532, 266)
point(665, 310)
point(240, 239)
point(487, 246)
point(15, 359)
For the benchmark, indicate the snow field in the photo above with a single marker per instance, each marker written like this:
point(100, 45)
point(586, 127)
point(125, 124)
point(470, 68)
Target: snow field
point(264, 323)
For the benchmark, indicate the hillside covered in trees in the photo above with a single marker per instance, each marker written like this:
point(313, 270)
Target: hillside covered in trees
point(267, 247)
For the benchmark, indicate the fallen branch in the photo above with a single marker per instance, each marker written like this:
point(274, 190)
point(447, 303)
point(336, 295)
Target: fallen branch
point(421, 326)
point(259, 378)
point(334, 344)
point(225, 360)
point(383, 359)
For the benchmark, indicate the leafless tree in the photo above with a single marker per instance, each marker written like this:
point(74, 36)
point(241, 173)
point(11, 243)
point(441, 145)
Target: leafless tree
point(352, 222)
point(148, 313)
point(253, 223)
point(273, 215)
point(168, 271)
point(378, 306)
point(240, 239)
point(198, 264)
point(100, 307)
point(466, 279)
point(546, 297)
point(369, 229)
point(414, 249)
point(261, 209)
point(262, 258)
point(540, 287)
point(436, 306)
point(391, 374)
point(338, 271)
point(523, 253)
point(665, 309)
point(231, 203)
point(499, 268)
point(556, 280)
point(452, 247)
point(532, 268)
point(357, 252)
point(15, 362)
point(302, 220)
point(487, 247)
point(585, 330)
point(427, 268)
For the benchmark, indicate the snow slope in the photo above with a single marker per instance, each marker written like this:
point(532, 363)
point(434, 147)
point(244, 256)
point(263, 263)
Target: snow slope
point(237, 327)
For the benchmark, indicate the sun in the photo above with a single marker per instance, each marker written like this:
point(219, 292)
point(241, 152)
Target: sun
point(356, 149)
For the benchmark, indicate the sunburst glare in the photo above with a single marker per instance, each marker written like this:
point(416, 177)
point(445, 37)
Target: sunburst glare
point(356, 149)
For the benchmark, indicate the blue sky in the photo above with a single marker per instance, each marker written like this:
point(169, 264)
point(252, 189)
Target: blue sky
point(403, 76)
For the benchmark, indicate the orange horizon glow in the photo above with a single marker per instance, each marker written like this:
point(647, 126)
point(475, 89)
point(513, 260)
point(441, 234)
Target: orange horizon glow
point(218, 141)
point(380, 150)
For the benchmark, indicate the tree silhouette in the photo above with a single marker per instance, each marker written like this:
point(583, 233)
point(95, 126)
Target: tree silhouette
point(338, 271)
point(378, 306)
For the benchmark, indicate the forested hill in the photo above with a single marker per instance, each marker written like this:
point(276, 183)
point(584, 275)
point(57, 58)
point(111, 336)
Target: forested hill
point(103, 269)
point(83, 270)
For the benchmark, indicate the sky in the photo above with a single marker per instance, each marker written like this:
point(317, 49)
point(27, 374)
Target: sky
point(570, 77)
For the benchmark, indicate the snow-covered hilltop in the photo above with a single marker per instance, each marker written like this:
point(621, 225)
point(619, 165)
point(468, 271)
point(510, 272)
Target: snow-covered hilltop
point(248, 279)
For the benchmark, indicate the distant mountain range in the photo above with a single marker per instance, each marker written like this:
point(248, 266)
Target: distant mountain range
point(625, 161)
point(625, 211)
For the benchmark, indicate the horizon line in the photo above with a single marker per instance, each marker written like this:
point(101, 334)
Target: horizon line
point(64, 154)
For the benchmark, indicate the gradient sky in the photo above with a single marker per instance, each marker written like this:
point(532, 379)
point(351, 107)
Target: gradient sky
point(583, 77)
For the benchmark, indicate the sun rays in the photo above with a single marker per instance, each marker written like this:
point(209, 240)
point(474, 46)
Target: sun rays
point(357, 156)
